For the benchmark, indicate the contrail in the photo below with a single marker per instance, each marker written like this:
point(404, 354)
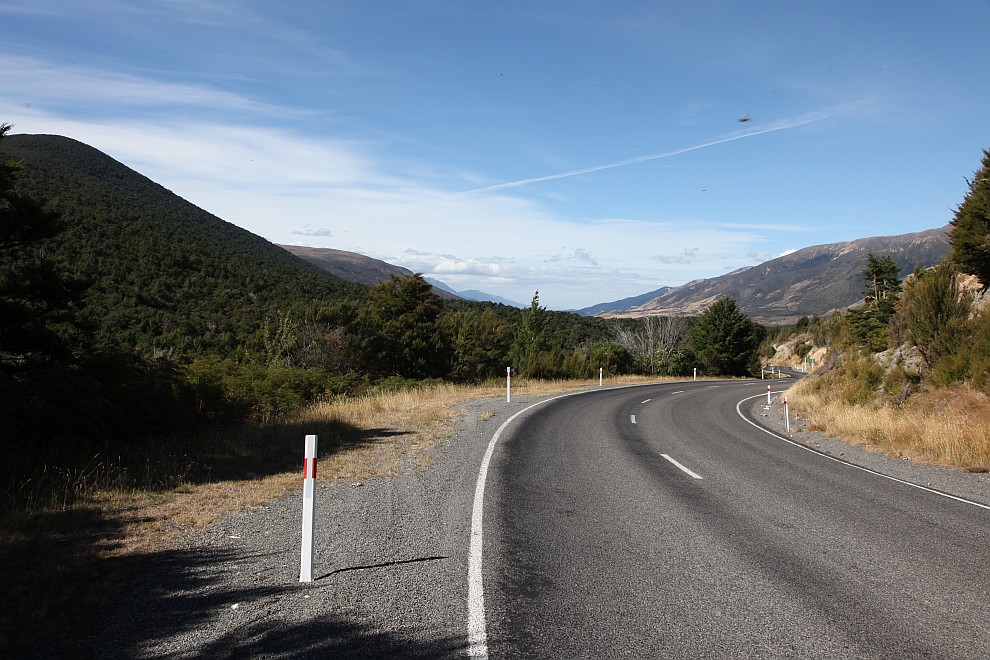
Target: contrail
point(777, 126)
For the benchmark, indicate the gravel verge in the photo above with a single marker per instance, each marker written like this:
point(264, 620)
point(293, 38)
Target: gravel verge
point(954, 481)
point(390, 571)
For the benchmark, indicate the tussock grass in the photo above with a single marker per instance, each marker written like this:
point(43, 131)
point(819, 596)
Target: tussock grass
point(947, 426)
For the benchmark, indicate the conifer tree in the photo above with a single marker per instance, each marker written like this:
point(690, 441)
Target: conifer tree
point(532, 339)
point(970, 233)
point(401, 329)
point(724, 339)
point(869, 325)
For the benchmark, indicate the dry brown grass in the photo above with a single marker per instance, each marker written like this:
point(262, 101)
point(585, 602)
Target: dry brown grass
point(390, 433)
point(945, 427)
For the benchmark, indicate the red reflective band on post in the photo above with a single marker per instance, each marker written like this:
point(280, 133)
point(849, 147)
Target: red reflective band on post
point(309, 468)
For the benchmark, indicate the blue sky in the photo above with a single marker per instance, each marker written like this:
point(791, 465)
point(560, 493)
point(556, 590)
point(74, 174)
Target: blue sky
point(588, 150)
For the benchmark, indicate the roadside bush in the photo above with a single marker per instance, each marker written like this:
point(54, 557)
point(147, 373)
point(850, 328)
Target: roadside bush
point(679, 363)
point(854, 379)
point(612, 357)
point(229, 393)
point(933, 313)
point(970, 361)
point(900, 383)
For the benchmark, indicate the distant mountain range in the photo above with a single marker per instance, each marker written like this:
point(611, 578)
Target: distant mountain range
point(358, 268)
point(474, 294)
point(814, 280)
point(625, 303)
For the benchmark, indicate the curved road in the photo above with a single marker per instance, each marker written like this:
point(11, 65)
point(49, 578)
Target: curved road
point(655, 522)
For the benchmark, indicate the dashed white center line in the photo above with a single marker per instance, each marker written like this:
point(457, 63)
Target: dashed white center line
point(678, 392)
point(693, 475)
point(633, 418)
point(647, 401)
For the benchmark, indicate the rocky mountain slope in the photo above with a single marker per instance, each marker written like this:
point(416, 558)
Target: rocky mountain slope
point(349, 266)
point(814, 280)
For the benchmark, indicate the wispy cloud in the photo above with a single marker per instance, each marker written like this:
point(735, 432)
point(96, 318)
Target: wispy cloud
point(577, 254)
point(687, 256)
point(41, 82)
point(780, 125)
point(449, 264)
point(323, 232)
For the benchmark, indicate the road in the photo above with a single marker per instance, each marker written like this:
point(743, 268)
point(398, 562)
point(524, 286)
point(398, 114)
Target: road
point(655, 522)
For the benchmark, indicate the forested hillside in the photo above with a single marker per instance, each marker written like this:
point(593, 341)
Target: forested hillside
point(164, 275)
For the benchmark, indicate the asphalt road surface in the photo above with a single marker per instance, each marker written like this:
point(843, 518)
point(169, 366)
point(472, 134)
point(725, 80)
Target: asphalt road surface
point(654, 522)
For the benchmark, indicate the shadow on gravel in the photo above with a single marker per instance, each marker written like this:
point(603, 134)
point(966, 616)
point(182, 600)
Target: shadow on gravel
point(331, 637)
point(383, 565)
point(162, 604)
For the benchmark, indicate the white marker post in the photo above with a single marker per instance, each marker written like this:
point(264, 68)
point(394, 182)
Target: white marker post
point(768, 395)
point(508, 384)
point(309, 497)
point(696, 373)
point(599, 376)
point(787, 417)
point(761, 373)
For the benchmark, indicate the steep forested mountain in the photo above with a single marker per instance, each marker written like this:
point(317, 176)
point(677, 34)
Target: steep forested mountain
point(165, 275)
point(814, 280)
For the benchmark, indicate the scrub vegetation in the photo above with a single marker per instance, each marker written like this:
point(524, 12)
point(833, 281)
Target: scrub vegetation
point(908, 372)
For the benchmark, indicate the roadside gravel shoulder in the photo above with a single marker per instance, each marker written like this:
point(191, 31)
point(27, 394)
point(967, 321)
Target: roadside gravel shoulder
point(389, 571)
point(954, 481)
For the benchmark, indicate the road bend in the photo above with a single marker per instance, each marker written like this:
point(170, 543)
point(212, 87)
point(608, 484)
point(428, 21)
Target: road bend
point(655, 522)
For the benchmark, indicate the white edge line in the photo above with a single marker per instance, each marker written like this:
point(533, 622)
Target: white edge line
point(934, 491)
point(477, 635)
point(477, 629)
point(693, 475)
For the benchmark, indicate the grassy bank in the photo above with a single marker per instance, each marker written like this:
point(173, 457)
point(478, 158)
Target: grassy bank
point(944, 426)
